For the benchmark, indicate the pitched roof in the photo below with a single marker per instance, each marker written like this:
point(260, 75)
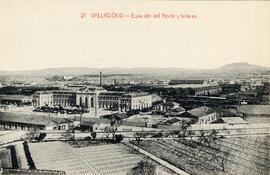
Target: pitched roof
point(156, 98)
point(173, 82)
point(31, 119)
point(92, 121)
point(15, 97)
point(135, 94)
point(203, 88)
point(172, 120)
point(257, 119)
point(179, 109)
point(254, 109)
point(111, 93)
point(201, 111)
point(117, 116)
point(171, 103)
point(234, 120)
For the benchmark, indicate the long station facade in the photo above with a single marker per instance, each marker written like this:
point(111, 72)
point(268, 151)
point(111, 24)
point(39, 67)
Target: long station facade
point(93, 98)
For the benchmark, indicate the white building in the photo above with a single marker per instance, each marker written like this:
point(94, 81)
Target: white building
point(204, 115)
point(42, 98)
point(135, 101)
point(96, 97)
point(88, 98)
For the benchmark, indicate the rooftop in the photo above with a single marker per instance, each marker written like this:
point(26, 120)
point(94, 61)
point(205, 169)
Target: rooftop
point(210, 87)
point(201, 111)
point(254, 109)
point(92, 121)
point(135, 94)
point(234, 120)
point(14, 97)
point(30, 119)
point(258, 119)
point(174, 82)
point(113, 93)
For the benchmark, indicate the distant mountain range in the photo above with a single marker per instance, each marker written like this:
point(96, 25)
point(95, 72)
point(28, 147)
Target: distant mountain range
point(242, 67)
point(228, 69)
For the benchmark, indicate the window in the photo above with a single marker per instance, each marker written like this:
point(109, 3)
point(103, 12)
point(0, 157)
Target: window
point(80, 99)
point(92, 102)
point(86, 101)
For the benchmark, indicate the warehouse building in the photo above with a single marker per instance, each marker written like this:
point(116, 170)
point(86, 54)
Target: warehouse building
point(31, 122)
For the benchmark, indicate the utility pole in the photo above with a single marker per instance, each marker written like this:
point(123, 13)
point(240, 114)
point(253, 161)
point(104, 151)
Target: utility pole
point(100, 79)
point(81, 112)
point(95, 105)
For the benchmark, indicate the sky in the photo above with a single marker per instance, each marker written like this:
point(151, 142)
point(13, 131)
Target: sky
point(46, 34)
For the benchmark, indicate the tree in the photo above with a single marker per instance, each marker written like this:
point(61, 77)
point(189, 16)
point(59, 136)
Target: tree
point(119, 138)
point(40, 136)
point(70, 134)
point(220, 157)
point(208, 138)
point(138, 136)
point(183, 130)
point(190, 134)
point(107, 131)
point(144, 167)
point(111, 130)
point(222, 160)
point(30, 135)
point(94, 135)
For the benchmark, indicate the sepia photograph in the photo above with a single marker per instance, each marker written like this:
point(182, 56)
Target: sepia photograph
point(103, 87)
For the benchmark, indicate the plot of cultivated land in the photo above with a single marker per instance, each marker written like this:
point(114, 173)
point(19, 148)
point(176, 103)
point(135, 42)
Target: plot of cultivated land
point(58, 156)
point(5, 158)
point(232, 156)
point(10, 136)
point(110, 159)
point(21, 155)
point(105, 159)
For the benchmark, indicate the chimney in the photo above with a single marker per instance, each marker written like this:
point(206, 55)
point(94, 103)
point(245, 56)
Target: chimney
point(100, 78)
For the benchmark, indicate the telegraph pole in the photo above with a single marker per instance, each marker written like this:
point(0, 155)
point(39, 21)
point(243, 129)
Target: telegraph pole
point(100, 79)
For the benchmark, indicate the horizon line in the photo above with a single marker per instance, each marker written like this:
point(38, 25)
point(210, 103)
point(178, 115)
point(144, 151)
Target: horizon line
point(137, 67)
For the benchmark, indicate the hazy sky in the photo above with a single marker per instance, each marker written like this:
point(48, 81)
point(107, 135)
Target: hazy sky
point(43, 34)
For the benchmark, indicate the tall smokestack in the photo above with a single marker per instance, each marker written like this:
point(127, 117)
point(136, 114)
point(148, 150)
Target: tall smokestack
point(100, 78)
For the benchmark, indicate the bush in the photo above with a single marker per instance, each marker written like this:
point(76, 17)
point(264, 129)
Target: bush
point(94, 135)
point(41, 136)
point(144, 167)
point(119, 138)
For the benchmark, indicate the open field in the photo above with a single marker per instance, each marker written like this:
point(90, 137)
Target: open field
point(232, 156)
point(57, 156)
point(5, 158)
point(109, 159)
point(104, 159)
point(10, 136)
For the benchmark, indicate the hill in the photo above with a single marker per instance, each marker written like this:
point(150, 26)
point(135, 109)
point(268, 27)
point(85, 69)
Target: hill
point(228, 69)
